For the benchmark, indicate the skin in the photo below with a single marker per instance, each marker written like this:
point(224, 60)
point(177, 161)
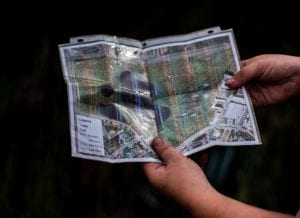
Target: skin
point(183, 180)
point(269, 79)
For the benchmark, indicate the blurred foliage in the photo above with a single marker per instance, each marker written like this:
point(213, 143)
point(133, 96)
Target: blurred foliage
point(39, 178)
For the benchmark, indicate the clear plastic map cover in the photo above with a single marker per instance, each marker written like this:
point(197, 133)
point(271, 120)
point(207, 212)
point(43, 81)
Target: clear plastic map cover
point(123, 93)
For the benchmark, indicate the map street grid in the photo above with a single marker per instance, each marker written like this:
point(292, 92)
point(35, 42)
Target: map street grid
point(172, 87)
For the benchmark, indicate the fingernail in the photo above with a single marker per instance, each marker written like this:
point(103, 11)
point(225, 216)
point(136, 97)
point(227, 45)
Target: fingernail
point(157, 142)
point(230, 82)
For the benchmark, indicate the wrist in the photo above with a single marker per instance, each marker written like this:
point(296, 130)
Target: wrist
point(206, 203)
point(297, 77)
point(293, 75)
point(297, 80)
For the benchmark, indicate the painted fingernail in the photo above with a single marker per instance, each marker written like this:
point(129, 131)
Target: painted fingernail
point(230, 82)
point(157, 142)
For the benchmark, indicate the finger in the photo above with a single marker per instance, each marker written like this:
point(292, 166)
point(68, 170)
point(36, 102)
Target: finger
point(166, 151)
point(248, 61)
point(203, 160)
point(246, 74)
point(256, 95)
point(151, 168)
point(245, 62)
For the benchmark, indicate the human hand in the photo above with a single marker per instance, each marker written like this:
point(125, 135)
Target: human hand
point(178, 177)
point(269, 78)
point(183, 180)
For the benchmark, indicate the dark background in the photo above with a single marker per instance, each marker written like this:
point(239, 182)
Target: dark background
point(39, 178)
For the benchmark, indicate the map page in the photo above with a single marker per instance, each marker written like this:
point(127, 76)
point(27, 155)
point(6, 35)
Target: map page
point(123, 93)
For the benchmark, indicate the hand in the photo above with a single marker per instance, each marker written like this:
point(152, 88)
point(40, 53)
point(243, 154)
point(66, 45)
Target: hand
point(179, 177)
point(183, 180)
point(269, 79)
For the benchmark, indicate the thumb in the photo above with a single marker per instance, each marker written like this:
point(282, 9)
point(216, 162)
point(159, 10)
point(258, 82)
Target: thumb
point(246, 74)
point(166, 151)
